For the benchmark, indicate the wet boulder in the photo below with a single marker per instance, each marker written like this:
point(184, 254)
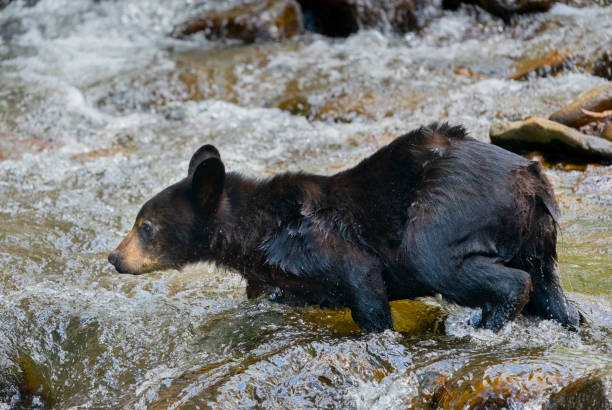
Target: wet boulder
point(607, 131)
point(340, 18)
point(503, 8)
point(578, 113)
point(603, 66)
point(265, 20)
point(585, 393)
point(552, 139)
point(544, 65)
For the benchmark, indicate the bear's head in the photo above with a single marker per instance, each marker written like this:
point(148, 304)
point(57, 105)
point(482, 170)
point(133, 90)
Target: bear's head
point(175, 227)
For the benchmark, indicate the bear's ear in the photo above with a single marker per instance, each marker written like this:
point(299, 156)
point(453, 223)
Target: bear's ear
point(207, 183)
point(204, 152)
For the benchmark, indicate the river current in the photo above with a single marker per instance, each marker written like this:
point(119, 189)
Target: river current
point(100, 109)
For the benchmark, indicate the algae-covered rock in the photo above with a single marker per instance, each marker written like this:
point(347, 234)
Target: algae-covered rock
point(582, 394)
point(409, 316)
point(9, 383)
point(596, 100)
point(550, 137)
point(255, 21)
point(296, 106)
point(503, 8)
point(23, 383)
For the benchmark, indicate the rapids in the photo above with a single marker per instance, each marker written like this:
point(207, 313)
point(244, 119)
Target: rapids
point(100, 109)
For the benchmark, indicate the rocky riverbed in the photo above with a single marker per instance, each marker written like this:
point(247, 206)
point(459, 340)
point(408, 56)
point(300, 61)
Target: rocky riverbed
point(102, 104)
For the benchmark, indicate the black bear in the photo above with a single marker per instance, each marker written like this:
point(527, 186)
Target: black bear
point(435, 211)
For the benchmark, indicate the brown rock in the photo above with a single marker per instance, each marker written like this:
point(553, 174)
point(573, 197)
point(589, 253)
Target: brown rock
point(492, 392)
point(551, 138)
point(263, 20)
point(503, 8)
point(603, 66)
point(542, 66)
point(586, 393)
point(596, 100)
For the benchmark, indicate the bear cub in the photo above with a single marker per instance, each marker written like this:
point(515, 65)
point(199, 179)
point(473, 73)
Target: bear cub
point(435, 211)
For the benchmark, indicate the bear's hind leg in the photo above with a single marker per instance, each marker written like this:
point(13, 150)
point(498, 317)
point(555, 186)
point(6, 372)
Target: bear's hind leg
point(548, 300)
point(502, 292)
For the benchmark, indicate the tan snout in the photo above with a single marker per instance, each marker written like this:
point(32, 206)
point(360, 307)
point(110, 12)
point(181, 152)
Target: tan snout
point(129, 257)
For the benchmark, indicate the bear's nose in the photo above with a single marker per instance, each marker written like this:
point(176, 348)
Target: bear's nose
point(113, 258)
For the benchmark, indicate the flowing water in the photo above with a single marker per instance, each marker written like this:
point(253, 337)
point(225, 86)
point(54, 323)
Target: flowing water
point(100, 109)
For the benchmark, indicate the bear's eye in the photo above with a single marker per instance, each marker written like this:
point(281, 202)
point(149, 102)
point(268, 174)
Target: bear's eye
point(147, 228)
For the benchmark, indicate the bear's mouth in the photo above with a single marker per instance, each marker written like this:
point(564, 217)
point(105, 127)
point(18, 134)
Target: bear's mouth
point(124, 268)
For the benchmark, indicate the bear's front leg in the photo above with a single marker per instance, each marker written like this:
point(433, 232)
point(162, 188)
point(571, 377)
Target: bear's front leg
point(366, 295)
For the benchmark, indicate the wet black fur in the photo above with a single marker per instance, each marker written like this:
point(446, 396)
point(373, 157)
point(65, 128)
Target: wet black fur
point(432, 212)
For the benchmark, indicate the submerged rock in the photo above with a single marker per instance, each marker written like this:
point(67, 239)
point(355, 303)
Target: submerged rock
point(544, 65)
point(296, 106)
point(24, 384)
point(256, 21)
point(346, 107)
point(586, 393)
point(13, 146)
point(596, 100)
point(409, 316)
point(503, 390)
point(503, 8)
point(551, 138)
point(367, 105)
